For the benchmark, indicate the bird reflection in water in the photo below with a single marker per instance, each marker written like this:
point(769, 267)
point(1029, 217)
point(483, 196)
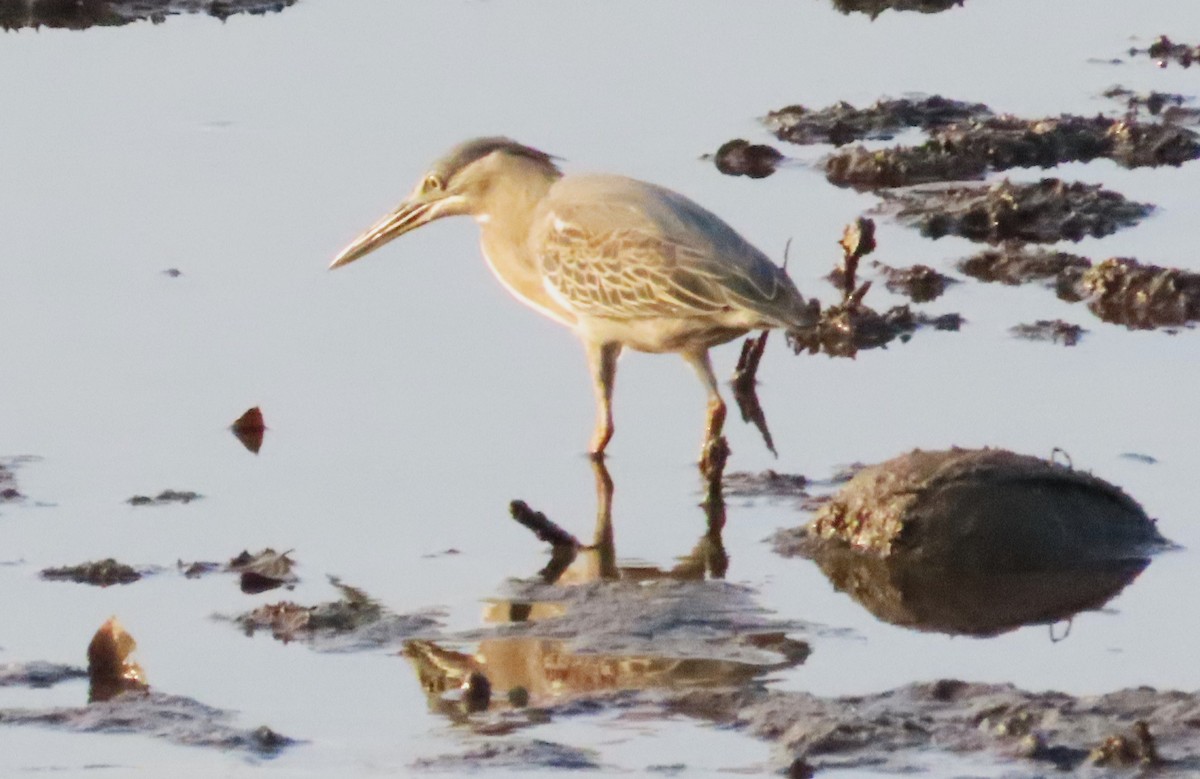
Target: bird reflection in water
point(508, 672)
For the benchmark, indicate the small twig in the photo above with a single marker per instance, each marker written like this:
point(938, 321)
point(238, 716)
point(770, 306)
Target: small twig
point(541, 526)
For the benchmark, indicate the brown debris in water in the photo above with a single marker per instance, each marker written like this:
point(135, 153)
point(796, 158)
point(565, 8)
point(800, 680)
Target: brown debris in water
point(355, 621)
point(1016, 264)
point(921, 283)
point(739, 157)
point(850, 326)
point(264, 571)
point(101, 573)
point(1123, 291)
point(842, 123)
point(1047, 211)
point(1054, 331)
point(1164, 51)
point(1169, 107)
point(1119, 290)
point(249, 429)
point(1137, 748)
point(82, 14)
point(874, 8)
point(970, 147)
point(111, 672)
point(164, 498)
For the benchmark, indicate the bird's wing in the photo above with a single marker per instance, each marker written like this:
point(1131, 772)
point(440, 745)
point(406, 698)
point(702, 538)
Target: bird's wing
point(621, 248)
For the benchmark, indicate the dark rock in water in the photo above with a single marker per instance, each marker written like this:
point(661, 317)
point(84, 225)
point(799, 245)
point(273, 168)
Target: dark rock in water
point(164, 498)
point(1043, 212)
point(81, 14)
point(985, 510)
point(742, 158)
point(1054, 331)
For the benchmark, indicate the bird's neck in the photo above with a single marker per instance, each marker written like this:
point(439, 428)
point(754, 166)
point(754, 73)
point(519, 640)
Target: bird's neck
point(505, 222)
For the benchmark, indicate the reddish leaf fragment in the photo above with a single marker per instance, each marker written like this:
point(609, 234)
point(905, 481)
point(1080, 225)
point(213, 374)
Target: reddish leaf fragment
point(249, 429)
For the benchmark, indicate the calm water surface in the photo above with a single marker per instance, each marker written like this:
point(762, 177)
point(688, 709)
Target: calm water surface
point(409, 399)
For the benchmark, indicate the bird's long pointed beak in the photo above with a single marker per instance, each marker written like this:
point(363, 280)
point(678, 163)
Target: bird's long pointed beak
point(409, 215)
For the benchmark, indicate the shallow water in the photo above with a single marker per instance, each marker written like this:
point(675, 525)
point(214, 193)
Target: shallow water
point(408, 399)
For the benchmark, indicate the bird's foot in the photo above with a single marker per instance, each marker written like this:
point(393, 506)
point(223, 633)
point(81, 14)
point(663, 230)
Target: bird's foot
point(713, 457)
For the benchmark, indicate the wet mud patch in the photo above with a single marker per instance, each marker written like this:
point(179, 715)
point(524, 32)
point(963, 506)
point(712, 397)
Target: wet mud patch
point(354, 622)
point(899, 730)
point(120, 701)
point(1054, 331)
point(100, 573)
point(82, 14)
point(514, 754)
point(38, 674)
point(1046, 211)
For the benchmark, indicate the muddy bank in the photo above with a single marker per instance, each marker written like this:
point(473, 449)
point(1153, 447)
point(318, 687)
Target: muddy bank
point(1046, 211)
point(82, 14)
point(1119, 290)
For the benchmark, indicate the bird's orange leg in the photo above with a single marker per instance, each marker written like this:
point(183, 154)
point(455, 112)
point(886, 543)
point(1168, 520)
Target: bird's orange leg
point(715, 419)
point(602, 362)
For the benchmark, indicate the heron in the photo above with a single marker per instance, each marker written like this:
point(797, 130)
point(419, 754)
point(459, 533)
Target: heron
point(621, 262)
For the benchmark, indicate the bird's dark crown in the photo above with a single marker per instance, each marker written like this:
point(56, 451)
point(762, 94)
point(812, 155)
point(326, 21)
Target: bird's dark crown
point(476, 149)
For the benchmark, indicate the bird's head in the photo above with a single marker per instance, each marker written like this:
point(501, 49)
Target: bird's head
point(463, 182)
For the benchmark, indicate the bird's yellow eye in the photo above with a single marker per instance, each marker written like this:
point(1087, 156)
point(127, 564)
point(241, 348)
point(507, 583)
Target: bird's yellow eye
point(432, 183)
